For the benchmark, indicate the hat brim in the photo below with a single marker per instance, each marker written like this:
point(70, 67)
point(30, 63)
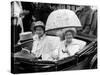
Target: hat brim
point(39, 26)
point(22, 43)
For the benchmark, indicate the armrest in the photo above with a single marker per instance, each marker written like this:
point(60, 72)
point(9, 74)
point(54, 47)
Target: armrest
point(88, 49)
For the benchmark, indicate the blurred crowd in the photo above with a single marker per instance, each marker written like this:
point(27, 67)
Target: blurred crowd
point(33, 12)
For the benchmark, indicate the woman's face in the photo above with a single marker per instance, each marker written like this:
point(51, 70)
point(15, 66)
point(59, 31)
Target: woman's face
point(68, 36)
point(39, 31)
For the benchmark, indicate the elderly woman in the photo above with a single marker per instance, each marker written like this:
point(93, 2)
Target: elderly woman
point(70, 45)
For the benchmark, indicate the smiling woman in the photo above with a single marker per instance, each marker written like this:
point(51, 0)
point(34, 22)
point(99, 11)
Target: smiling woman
point(70, 45)
point(70, 40)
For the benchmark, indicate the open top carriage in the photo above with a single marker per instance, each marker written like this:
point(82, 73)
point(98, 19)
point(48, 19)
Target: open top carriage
point(83, 59)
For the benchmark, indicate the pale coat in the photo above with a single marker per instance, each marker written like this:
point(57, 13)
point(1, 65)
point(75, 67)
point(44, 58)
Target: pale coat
point(72, 48)
point(45, 46)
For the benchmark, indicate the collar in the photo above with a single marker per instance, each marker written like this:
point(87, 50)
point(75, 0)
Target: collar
point(35, 37)
point(74, 42)
point(68, 43)
point(42, 37)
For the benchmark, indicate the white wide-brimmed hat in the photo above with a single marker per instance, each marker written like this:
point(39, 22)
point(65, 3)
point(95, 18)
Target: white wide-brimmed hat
point(72, 29)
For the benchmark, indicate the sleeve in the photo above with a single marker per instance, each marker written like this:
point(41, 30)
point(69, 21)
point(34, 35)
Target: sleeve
point(79, 45)
point(82, 44)
point(73, 49)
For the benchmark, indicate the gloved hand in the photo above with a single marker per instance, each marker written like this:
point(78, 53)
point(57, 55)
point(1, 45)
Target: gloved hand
point(66, 51)
point(55, 55)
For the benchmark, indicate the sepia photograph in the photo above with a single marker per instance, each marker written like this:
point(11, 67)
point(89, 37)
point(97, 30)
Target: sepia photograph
point(52, 37)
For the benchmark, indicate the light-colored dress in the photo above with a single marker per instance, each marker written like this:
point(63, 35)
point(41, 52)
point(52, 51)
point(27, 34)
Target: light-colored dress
point(75, 46)
point(45, 46)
